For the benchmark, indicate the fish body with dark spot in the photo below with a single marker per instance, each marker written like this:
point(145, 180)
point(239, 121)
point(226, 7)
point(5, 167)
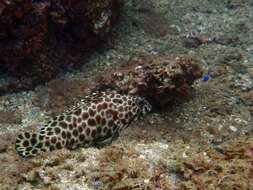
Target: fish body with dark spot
point(96, 119)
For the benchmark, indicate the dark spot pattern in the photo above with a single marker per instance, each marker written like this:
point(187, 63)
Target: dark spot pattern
point(105, 130)
point(70, 126)
point(75, 133)
point(63, 125)
point(93, 133)
point(111, 123)
point(58, 145)
point(80, 129)
point(92, 112)
point(104, 105)
point(69, 118)
point(39, 145)
point(94, 120)
point(53, 140)
point(85, 115)
point(99, 107)
point(20, 136)
point(34, 151)
point(61, 118)
point(33, 141)
point(107, 99)
point(26, 143)
point(63, 134)
point(78, 112)
point(29, 149)
point(81, 137)
point(83, 125)
point(53, 124)
point(99, 130)
point(98, 119)
point(87, 131)
point(117, 101)
point(27, 135)
point(103, 121)
point(57, 130)
point(68, 135)
point(91, 122)
point(47, 143)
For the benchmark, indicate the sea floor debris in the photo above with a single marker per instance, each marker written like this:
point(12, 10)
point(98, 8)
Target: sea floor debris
point(149, 165)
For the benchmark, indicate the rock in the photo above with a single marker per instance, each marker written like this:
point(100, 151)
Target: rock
point(192, 42)
point(37, 38)
point(247, 97)
point(23, 36)
point(216, 71)
point(161, 79)
point(152, 22)
point(11, 166)
point(10, 117)
point(235, 4)
point(83, 21)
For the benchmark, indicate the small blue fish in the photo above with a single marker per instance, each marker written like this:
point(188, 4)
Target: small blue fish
point(206, 78)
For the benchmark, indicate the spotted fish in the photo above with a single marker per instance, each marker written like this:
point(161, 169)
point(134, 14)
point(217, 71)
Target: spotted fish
point(97, 119)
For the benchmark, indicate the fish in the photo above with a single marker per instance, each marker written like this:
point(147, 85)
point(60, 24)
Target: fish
point(95, 120)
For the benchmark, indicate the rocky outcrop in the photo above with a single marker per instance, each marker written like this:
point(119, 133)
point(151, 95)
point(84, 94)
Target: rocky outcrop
point(39, 37)
point(163, 80)
point(160, 79)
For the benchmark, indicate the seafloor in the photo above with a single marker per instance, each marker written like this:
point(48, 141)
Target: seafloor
point(204, 143)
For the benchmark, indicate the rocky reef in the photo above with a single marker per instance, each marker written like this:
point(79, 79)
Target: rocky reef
point(37, 38)
point(160, 79)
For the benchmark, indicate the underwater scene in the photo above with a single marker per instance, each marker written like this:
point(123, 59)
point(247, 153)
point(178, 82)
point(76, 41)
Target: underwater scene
point(126, 94)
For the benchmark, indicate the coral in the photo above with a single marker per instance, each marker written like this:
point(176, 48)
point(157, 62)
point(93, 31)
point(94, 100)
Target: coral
point(247, 97)
point(160, 79)
point(10, 117)
point(11, 167)
point(35, 36)
point(83, 21)
point(23, 35)
point(121, 169)
point(210, 170)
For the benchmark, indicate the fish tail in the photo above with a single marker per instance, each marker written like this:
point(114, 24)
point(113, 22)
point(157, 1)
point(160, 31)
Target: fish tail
point(30, 144)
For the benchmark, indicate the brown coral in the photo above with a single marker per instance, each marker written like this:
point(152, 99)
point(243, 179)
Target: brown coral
point(211, 170)
point(160, 79)
point(35, 36)
point(23, 33)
